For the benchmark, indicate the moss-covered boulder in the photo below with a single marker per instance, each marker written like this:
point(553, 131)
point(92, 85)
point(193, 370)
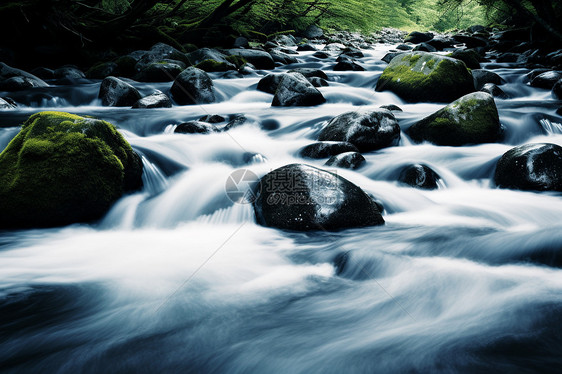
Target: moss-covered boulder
point(472, 119)
point(62, 168)
point(211, 65)
point(535, 167)
point(426, 77)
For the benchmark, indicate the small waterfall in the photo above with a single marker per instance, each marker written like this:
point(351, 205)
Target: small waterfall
point(551, 127)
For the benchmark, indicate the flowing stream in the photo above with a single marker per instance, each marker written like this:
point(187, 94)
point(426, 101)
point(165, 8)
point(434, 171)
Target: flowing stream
point(178, 278)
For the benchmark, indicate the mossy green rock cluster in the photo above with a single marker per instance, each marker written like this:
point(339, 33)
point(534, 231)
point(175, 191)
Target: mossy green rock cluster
point(472, 119)
point(426, 77)
point(62, 168)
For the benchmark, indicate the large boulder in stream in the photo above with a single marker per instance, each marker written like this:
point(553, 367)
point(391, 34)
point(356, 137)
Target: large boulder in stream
point(295, 90)
point(260, 59)
point(419, 176)
point(426, 77)
point(533, 167)
point(472, 119)
point(193, 86)
point(115, 92)
point(314, 199)
point(367, 130)
point(62, 168)
point(12, 79)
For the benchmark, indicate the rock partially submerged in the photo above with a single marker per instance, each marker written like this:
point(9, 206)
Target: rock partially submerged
point(326, 149)
point(313, 200)
point(367, 130)
point(426, 77)
point(193, 86)
point(533, 167)
point(115, 92)
point(419, 176)
point(472, 119)
point(62, 168)
point(295, 90)
point(347, 160)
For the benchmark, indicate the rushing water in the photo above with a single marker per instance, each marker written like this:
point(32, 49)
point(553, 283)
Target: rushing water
point(177, 278)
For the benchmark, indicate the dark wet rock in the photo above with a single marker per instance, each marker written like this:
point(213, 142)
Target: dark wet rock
point(260, 59)
point(237, 120)
point(295, 90)
point(43, 73)
point(404, 47)
point(441, 43)
point(268, 46)
point(193, 86)
point(155, 100)
point(326, 149)
point(195, 127)
point(367, 130)
point(470, 41)
point(7, 103)
point(391, 107)
point(546, 80)
point(318, 82)
point(347, 160)
point(306, 48)
point(470, 58)
point(389, 56)
point(69, 73)
point(536, 72)
point(508, 57)
point(419, 176)
point(352, 52)
point(310, 72)
point(425, 47)
point(158, 52)
point(241, 42)
point(535, 167)
point(127, 66)
point(482, 77)
point(316, 200)
point(215, 66)
point(159, 72)
point(270, 124)
point(334, 47)
point(269, 83)
point(559, 111)
point(472, 119)
point(212, 118)
point(286, 40)
point(426, 77)
point(348, 65)
point(494, 90)
point(557, 90)
point(313, 32)
point(283, 58)
point(62, 169)
point(203, 54)
point(476, 28)
point(322, 55)
point(417, 37)
point(12, 79)
point(103, 70)
point(115, 92)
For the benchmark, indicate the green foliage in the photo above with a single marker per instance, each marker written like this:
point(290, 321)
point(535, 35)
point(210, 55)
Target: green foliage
point(115, 6)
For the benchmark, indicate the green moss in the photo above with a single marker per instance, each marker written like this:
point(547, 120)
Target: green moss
point(213, 65)
point(472, 119)
point(421, 76)
point(238, 61)
point(63, 168)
